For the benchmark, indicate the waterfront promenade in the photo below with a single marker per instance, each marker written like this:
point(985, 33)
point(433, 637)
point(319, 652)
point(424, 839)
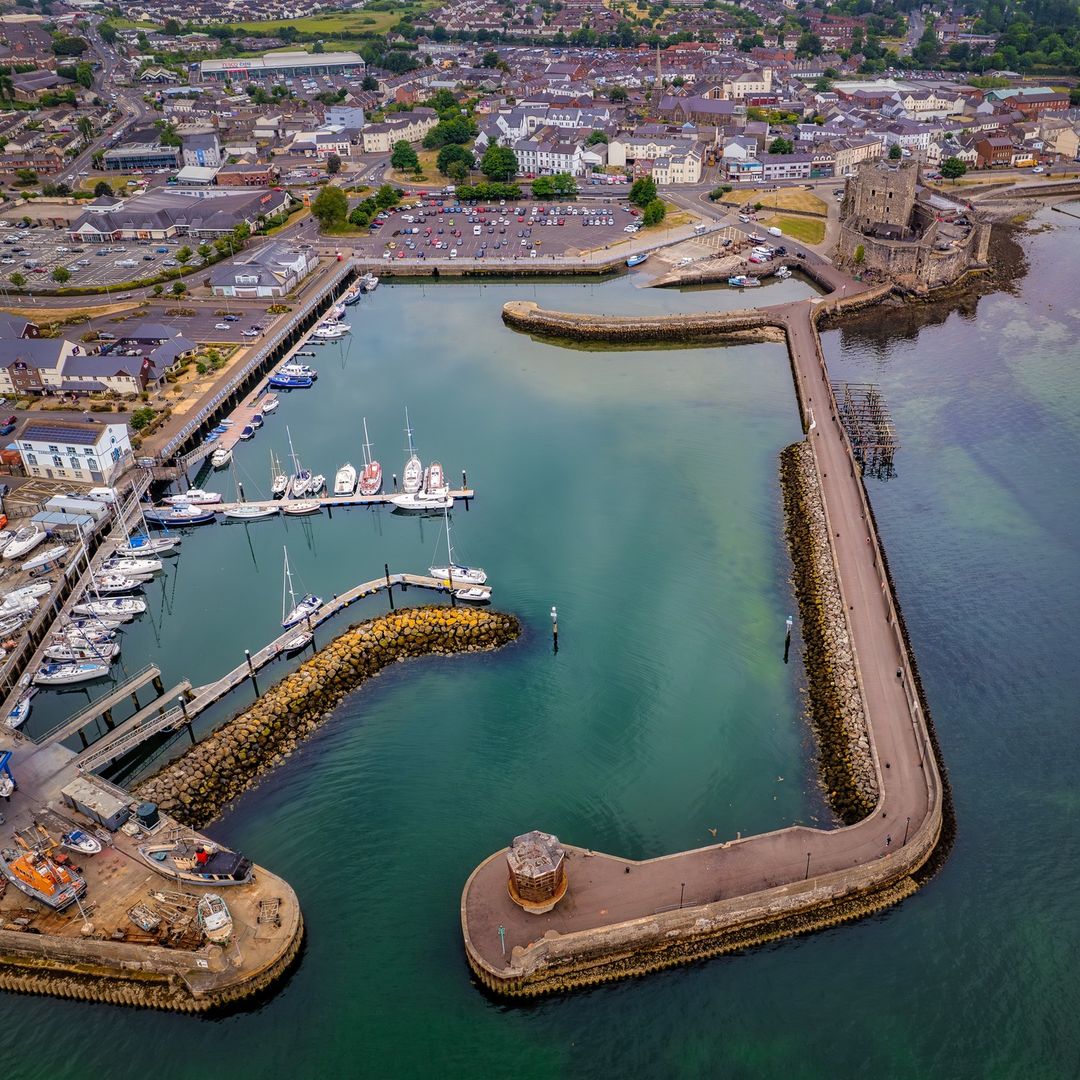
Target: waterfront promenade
point(616, 908)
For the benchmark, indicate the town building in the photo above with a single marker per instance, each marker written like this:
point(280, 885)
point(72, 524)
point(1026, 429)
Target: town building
point(202, 150)
point(148, 155)
point(89, 453)
point(409, 127)
point(273, 270)
point(283, 65)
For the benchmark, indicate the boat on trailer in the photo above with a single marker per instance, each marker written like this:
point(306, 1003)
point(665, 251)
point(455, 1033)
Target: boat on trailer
point(42, 878)
point(195, 861)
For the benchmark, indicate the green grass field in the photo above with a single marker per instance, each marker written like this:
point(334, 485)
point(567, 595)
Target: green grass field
point(339, 22)
point(808, 230)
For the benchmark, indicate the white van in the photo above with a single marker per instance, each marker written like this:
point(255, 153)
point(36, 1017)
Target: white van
point(699, 230)
point(774, 231)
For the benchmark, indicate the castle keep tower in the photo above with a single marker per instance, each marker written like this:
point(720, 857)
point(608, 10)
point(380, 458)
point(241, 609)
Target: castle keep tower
point(881, 199)
point(537, 865)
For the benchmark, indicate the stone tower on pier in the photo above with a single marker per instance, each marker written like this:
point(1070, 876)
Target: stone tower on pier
point(537, 866)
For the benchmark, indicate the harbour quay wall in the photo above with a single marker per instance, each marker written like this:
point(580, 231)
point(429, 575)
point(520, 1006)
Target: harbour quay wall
point(196, 786)
point(847, 768)
point(559, 962)
point(743, 325)
point(145, 976)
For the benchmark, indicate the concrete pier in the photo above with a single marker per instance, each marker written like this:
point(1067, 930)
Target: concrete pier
point(620, 917)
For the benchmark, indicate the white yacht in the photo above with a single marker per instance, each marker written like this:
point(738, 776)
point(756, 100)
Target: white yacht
point(294, 611)
point(122, 608)
point(51, 554)
point(193, 497)
point(133, 567)
point(329, 333)
point(412, 479)
point(221, 457)
point(65, 674)
point(455, 572)
point(251, 511)
point(345, 480)
point(301, 478)
point(24, 541)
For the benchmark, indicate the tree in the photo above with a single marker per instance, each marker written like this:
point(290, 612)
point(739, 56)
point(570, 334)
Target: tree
point(157, 290)
point(103, 189)
point(62, 45)
point(859, 256)
point(457, 129)
point(490, 60)
point(84, 75)
point(780, 145)
point(85, 126)
point(179, 288)
point(499, 163)
point(808, 45)
point(457, 171)
point(895, 153)
point(318, 47)
point(618, 94)
point(370, 83)
point(25, 177)
point(172, 28)
point(452, 153)
point(387, 196)
point(333, 164)
point(205, 251)
point(596, 137)
point(654, 213)
point(952, 168)
point(17, 279)
point(404, 157)
point(108, 32)
point(643, 191)
point(61, 274)
point(564, 186)
point(543, 187)
point(330, 208)
point(183, 256)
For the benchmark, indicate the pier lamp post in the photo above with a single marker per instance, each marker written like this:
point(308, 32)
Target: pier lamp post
point(682, 893)
point(502, 938)
point(807, 874)
point(906, 827)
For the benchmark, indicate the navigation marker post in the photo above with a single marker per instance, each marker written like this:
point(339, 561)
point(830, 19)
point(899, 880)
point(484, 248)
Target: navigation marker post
point(554, 629)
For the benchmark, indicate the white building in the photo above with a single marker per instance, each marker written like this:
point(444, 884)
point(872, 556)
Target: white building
point(88, 453)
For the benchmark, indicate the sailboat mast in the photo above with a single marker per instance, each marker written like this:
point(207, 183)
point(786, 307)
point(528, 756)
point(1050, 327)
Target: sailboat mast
point(367, 446)
point(408, 433)
point(295, 463)
point(287, 585)
point(449, 550)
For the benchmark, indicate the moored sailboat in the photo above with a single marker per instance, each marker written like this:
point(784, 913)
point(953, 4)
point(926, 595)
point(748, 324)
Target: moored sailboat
point(412, 478)
point(371, 477)
point(456, 573)
point(294, 611)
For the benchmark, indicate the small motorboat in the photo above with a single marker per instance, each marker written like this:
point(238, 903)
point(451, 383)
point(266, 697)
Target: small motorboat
point(83, 639)
point(298, 371)
point(53, 553)
point(121, 608)
point(213, 918)
point(256, 421)
point(328, 332)
point(227, 423)
point(88, 624)
point(178, 516)
point(28, 592)
point(247, 433)
point(290, 382)
point(318, 483)
point(474, 594)
point(212, 437)
point(113, 584)
point(742, 281)
point(368, 283)
point(345, 480)
point(81, 841)
point(637, 260)
point(352, 296)
point(220, 429)
point(336, 313)
point(58, 674)
point(5, 538)
point(24, 541)
point(299, 507)
point(298, 641)
point(193, 497)
point(269, 404)
point(195, 861)
point(783, 272)
point(250, 511)
point(221, 457)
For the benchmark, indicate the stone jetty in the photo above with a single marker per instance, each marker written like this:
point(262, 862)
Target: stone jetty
point(195, 787)
point(837, 713)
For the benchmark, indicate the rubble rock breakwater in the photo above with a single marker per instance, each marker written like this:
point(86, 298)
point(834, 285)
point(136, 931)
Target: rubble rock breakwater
point(837, 713)
point(196, 786)
point(731, 327)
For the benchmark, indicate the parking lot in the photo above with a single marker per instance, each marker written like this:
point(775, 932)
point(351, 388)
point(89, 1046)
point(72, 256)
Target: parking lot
point(213, 321)
point(439, 228)
point(36, 252)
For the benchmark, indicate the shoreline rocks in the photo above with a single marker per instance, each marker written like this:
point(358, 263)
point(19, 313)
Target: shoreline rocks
point(836, 710)
point(196, 786)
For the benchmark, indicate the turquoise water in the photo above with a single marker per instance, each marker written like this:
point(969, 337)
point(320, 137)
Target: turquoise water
point(637, 490)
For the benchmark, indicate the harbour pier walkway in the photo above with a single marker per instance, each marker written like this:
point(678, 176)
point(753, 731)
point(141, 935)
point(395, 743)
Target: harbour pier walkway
point(616, 907)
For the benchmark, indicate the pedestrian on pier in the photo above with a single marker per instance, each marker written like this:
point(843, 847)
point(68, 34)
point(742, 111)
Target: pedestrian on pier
point(888, 841)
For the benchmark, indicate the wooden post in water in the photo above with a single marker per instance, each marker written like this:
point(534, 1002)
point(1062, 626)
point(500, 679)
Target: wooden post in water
point(554, 628)
point(389, 587)
point(107, 717)
point(251, 671)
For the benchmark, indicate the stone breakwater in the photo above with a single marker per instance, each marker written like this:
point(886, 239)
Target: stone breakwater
point(846, 764)
point(732, 327)
point(196, 786)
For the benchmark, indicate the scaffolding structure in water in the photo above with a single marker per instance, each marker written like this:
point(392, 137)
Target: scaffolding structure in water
point(865, 416)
